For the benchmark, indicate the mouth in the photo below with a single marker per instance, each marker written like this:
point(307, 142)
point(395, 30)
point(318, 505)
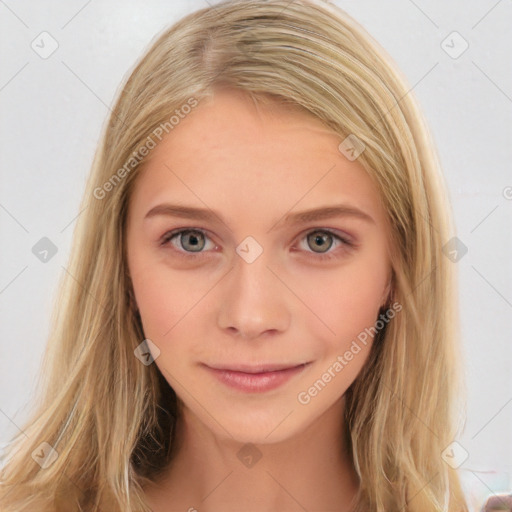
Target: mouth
point(255, 378)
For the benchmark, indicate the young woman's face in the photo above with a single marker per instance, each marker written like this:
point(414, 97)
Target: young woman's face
point(255, 307)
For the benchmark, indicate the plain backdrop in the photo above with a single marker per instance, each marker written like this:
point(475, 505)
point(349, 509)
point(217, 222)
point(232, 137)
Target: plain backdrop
point(53, 109)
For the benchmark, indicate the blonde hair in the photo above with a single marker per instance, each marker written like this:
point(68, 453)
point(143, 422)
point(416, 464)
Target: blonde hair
point(110, 418)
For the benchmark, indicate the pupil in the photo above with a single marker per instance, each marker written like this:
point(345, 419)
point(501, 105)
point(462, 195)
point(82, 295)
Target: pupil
point(193, 242)
point(321, 242)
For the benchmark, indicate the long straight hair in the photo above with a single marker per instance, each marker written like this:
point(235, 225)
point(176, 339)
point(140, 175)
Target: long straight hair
point(110, 419)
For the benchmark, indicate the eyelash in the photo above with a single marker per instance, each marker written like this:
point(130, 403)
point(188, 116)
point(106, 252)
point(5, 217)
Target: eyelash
point(318, 256)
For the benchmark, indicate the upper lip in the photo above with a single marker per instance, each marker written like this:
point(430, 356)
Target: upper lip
point(255, 368)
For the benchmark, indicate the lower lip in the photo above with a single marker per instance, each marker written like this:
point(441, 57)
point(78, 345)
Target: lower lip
point(256, 382)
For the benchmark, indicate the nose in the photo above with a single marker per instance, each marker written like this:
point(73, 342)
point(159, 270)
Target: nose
point(253, 302)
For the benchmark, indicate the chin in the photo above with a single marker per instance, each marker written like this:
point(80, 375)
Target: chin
point(260, 425)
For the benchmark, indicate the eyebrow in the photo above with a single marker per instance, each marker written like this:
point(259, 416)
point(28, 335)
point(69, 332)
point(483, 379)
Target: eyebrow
point(313, 214)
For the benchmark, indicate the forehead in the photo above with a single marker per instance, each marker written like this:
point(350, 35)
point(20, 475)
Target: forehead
point(231, 154)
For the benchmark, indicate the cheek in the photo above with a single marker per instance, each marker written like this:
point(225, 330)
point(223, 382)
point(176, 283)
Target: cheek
point(161, 307)
point(170, 304)
point(346, 301)
point(160, 299)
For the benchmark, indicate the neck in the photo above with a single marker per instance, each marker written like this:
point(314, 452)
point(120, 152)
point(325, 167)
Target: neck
point(310, 471)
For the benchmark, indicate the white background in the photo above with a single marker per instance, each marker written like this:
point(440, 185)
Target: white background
point(52, 111)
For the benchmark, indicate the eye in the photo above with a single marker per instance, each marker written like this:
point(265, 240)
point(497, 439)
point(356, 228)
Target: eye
point(324, 240)
point(190, 241)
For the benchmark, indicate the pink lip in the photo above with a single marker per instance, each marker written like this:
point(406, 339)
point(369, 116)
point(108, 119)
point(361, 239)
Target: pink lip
point(256, 379)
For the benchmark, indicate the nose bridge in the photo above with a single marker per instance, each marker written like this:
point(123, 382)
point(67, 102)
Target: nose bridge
point(251, 275)
point(253, 301)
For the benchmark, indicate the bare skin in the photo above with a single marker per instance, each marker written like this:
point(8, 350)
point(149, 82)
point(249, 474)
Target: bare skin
point(214, 308)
